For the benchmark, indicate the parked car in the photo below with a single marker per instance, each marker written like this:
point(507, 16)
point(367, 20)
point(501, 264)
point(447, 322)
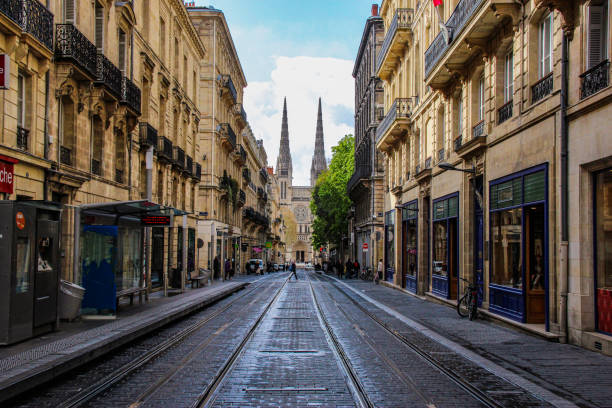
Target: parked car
point(276, 268)
point(258, 265)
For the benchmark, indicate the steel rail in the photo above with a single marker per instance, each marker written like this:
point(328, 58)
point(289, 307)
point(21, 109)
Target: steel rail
point(116, 376)
point(467, 386)
point(209, 394)
point(355, 385)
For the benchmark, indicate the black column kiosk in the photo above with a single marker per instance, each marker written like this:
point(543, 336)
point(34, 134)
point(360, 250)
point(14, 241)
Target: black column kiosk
point(29, 273)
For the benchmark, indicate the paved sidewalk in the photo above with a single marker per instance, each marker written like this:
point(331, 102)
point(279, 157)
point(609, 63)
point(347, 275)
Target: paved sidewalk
point(25, 365)
point(566, 370)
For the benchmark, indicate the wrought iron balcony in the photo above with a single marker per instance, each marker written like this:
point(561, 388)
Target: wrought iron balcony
point(148, 135)
point(241, 154)
point(456, 23)
point(241, 198)
point(595, 79)
point(96, 167)
point(260, 192)
point(130, 95)
point(479, 129)
point(457, 143)
point(33, 18)
point(428, 163)
point(197, 173)
point(243, 113)
point(400, 110)
point(65, 155)
point(264, 197)
point(165, 150)
point(263, 173)
point(362, 172)
point(188, 165)
point(118, 175)
point(227, 134)
point(22, 138)
point(504, 113)
point(179, 157)
point(108, 75)
point(225, 82)
point(542, 88)
point(396, 36)
point(441, 153)
point(246, 174)
point(72, 46)
point(417, 169)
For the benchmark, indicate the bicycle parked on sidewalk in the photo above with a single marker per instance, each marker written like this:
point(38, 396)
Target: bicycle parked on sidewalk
point(366, 274)
point(468, 304)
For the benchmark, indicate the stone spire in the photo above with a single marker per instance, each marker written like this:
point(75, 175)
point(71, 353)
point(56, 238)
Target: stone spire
point(284, 168)
point(319, 164)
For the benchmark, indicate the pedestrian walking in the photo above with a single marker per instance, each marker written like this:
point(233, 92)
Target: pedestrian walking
point(379, 271)
point(228, 267)
point(356, 268)
point(216, 268)
point(293, 274)
point(348, 266)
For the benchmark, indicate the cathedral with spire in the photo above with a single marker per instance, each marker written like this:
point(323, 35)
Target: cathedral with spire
point(295, 200)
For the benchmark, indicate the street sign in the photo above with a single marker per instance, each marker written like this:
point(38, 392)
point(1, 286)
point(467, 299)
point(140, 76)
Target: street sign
point(7, 177)
point(5, 74)
point(365, 247)
point(268, 245)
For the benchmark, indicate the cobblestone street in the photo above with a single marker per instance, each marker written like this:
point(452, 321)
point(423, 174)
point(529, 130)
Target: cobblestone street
point(323, 342)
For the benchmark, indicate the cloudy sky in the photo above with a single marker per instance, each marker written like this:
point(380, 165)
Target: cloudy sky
point(302, 50)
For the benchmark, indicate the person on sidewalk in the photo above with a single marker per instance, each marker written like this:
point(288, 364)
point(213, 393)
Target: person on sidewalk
point(356, 269)
point(348, 267)
point(293, 273)
point(379, 271)
point(228, 267)
point(216, 267)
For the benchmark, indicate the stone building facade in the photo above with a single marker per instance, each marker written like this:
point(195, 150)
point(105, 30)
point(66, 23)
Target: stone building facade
point(366, 184)
point(495, 98)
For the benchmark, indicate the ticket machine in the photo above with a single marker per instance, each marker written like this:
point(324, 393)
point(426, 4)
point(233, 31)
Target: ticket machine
point(29, 272)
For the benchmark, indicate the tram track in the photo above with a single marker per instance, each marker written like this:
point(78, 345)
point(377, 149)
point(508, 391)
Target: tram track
point(470, 388)
point(99, 387)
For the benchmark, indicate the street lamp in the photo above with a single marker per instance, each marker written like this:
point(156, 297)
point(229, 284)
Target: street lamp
point(448, 166)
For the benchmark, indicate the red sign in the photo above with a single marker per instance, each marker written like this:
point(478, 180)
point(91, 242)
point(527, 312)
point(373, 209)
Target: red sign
point(5, 77)
point(20, 220)
point(155, 220)
point(7, 177)
point(365, 245)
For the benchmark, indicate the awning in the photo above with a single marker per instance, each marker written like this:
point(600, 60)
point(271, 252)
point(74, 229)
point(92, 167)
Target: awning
point(130, 210)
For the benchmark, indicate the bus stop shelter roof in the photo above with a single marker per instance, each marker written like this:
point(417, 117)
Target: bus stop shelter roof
point(136, 209)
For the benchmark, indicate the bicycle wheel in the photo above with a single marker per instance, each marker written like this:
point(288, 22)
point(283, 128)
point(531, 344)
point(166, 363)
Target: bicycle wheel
point(463, 305)
point(473, 308)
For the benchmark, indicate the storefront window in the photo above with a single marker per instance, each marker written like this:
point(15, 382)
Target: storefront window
point(445, 248)
point(22, 273)
point(440, 255)
point(410, 216)
point(603, 249)
point(506, 230)
point(390, 243)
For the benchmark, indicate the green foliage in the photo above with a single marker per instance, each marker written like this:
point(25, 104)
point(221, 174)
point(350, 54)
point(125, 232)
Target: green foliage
point(330, 204)
point(230, 185)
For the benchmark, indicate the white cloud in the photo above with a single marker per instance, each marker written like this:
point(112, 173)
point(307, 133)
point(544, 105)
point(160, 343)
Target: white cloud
point(302, 80)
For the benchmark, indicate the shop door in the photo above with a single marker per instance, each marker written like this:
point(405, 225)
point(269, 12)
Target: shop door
point(46, 277)
point(478, 260)
point(405, 245)
point(157, 257)
point(534, 245)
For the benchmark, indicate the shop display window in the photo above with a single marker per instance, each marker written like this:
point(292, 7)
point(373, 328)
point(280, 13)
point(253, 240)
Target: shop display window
point(440, 255)
point(390, 242)
point(603, 249)
point(22, 273)
point(506, 237)
point(410, 218)
point(128, 274)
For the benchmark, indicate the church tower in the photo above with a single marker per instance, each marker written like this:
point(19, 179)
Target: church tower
point(284, 167)
point(319, 164)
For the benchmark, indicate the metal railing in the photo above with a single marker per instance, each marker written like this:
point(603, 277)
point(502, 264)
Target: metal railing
point(246, 174)
point(542, 88)
point(227, 132)
point(401, 20)
point(264, 175)
point(242, 154)
point(457, 21)
point(401, 108)
point(362, 171)
point(96, 167)
point(165, 148)
point(71, 45)
point(225, 81)
point(22, 138)
point(130, 95)
point(457, 143)
point(108, 74)
point(595, 79)
point(188, 165)
point(65, 155)
point(179, 157)
point(198, 171)
point(241, 197)
point(479, 129)
point(505, 112)
point(148, 135)
point(441, 153)
point(243, 112)
point(428, 163)
point(33, 18)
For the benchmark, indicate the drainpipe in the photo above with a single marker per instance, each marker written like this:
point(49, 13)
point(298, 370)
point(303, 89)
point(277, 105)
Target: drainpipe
point(564, 259)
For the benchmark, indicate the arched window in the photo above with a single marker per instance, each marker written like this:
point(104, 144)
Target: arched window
point(97, 145)
point(119, 156)
point(67, 133)
point(441, 133)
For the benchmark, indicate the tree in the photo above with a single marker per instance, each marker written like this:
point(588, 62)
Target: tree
point(330, 204)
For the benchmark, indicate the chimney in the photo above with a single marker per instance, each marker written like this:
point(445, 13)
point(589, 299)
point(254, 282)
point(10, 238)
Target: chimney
point(374, 10)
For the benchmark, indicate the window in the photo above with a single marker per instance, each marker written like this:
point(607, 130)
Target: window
point(97, 145)
point(389, 244)
point(508, 77)
point(445, 249)
point(597, 34)
point(162, 38)
point(545, 45)
point(160, 187)
point(99, 28)
point(459, 110)
point(441, 139)
point(119, 157)
point(122, 48)
point(410, 220)
point(68, 139)
point(21, 100)
point(68, 12)
point(195, 87)
point(603, 249)
point(176, 56)
point(481, 98)
point(185, 78)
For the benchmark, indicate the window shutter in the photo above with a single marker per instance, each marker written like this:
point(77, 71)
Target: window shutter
point(535, 187)
point(69, 13)
point(595, 42)
point(99, 28)
point(122, 40)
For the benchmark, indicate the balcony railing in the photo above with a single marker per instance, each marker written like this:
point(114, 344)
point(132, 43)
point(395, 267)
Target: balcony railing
point(263, 173)
point(65, 155)
point(241, 198)
point(441, 154)
point(32, 17)
point(401, 20)
point(225, 81)
point(130, 95)
point(260, 192)
point(179, 157)
point(542, 88)
point(198, 171)
point(148, 135)
point(165, 150)
point(96, 167)
point(118, 175)
point(189, 165)
point(246, 174)
point(478, 129)
point(457, 21)
point(22, 138)
point(241, 153)
point(457, 143)
point(227, 132)
point(363, 171)
point(428, 163)
point(505, 112)
point(71, 45)
point(243, 113)
point(13, 10)
point(401, 109)
point(108, 75)
point(595, 79)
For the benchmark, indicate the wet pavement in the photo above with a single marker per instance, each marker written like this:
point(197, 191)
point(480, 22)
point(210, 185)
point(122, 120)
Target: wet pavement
point(320, 342)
